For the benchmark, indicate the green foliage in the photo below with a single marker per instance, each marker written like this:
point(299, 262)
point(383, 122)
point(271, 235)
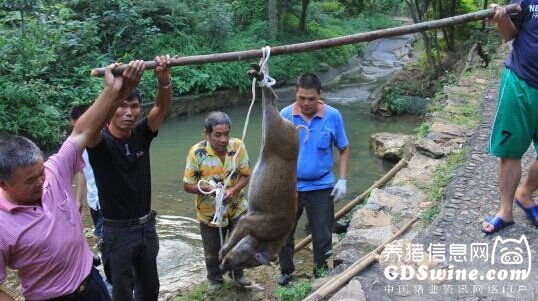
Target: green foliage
point(389, 7)
point(397, 104)
point(430, 214)
point(331, 7)
point(35, 52)
point(466, 6)
point(247, 12)
point(297, 291)
point(353, 7)
point(21, 114)
point(48, 48)
point(19, 5)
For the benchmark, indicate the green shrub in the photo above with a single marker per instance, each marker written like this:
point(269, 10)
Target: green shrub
point(397, 104)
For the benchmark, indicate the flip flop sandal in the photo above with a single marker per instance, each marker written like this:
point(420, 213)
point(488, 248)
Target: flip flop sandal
point(497, 223)
point(532, 212)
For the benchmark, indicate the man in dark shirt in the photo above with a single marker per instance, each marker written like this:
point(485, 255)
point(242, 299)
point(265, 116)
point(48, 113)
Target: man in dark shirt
point(120, 160)
point(516, 121)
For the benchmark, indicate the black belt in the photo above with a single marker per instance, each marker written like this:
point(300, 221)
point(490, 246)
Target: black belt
point(122, 223)
point(313, 179)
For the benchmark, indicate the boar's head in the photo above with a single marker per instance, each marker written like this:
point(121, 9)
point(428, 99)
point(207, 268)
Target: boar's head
point(248, 253)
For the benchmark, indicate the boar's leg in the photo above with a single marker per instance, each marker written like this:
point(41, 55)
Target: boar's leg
point(244, 227)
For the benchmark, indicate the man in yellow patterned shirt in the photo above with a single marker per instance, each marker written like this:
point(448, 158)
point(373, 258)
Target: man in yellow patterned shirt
point(213, 159)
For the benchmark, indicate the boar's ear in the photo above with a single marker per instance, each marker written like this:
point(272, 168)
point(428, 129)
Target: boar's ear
point(262, 258)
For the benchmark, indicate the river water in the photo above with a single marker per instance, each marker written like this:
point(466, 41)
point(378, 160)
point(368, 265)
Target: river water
point(181, 255)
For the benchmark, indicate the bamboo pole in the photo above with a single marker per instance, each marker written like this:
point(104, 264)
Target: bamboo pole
point(321, 44)
point(338, 215)
point(330, 286)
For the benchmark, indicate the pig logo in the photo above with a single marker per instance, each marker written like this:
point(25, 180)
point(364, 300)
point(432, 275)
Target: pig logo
point(512, 252)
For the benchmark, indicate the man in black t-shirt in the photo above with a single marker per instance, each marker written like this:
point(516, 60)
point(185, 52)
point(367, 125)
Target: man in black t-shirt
point(120, 160)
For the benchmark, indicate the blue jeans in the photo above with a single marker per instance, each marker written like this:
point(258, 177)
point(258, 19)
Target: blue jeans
point(319, 206)
point(94, 289)
point(130, 261)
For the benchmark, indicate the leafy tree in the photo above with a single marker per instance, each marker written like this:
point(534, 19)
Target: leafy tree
point(49, 46)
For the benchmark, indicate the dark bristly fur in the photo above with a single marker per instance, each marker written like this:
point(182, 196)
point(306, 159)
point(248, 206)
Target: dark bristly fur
point(264, 229)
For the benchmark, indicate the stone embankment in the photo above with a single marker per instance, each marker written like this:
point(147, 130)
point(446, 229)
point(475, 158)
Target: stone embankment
point(475, 266)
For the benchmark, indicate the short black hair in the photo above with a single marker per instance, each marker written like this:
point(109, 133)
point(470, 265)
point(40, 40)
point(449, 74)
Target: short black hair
point(308, 81)
point(135, 94)
point(77, 111)
point(216, 118)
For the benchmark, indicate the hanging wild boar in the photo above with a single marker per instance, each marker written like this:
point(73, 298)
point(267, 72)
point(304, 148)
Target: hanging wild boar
point(264, 229)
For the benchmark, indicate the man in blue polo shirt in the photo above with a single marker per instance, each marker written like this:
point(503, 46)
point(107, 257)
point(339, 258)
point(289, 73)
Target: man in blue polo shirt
point(516, 121)
point(321, 127)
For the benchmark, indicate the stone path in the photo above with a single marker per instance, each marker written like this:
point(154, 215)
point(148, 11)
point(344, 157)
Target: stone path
point(456, 236)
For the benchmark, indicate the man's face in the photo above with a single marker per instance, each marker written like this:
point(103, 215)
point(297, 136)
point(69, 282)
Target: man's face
point(307, 100)
point(219, 137)
point(126, 115)
point(26, 184)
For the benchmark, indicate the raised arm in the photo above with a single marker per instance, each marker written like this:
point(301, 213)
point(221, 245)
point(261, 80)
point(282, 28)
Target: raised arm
point(87, 130)
point(505, 26)
point(163, 98)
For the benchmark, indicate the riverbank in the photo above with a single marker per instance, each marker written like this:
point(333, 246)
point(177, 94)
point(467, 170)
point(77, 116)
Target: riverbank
point(450, 216)
point(417, 191)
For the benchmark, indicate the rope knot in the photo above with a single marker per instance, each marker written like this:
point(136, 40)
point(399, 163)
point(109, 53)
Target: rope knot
point(267, 81)
point(220, 208)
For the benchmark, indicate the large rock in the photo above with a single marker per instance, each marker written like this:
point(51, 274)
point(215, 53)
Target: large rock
point(366, 218)
point(389, 146)
point(449, 143)
point(360, 242)
point(401, 200)
point(353, 76)
point(351, 292)
point(450, 129)
point(419, 171)
point(430, 148)
point(176, 274)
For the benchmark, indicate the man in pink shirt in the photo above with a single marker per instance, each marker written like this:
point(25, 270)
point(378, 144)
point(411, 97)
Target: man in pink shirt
point(40, 226)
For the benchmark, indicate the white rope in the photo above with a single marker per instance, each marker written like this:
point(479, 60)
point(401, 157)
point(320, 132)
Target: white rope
point(267, 81)
point(220, 189)
point(307, 131)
